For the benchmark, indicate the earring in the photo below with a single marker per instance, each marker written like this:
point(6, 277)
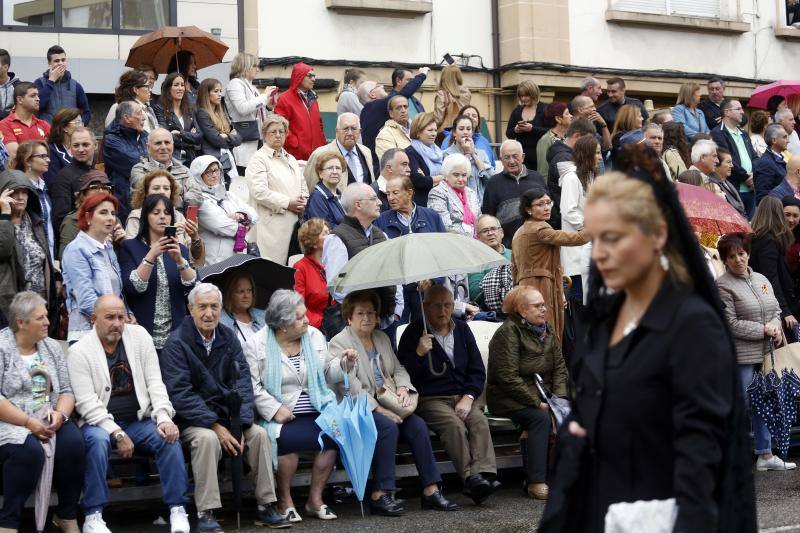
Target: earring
point(664, 262)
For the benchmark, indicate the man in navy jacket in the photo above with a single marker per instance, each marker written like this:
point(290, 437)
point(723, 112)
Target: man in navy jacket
point(447, 370)
point(202, 363)
point(770, 169)
point(124, 145)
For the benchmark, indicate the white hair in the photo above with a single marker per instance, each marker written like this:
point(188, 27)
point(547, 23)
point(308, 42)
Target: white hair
point(588, 82)
point(452, 161)
point(352, 194)
point(22, 307)
point(204, 288)
point(282, 307)
point(702, 148)
point(781, 112)
point(347, 115)
point(511, 142)
point(364, 90)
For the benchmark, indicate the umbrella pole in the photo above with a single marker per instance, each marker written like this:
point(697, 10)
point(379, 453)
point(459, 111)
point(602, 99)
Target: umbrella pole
point(238, 520)
point(361, 503)
point(424, 332)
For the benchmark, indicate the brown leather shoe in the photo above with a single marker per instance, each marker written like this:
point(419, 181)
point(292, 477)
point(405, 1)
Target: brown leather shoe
point(66, 526)
point(538, 491)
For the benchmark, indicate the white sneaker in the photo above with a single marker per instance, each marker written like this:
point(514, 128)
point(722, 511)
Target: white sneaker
point(94, 523)
point(178, 520)
point(774, 463)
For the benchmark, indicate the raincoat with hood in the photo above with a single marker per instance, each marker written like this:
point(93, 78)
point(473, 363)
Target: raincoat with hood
point(217, 228)
point(12, 263)
point(7, 95)
point(64, 92)
point(305, 121)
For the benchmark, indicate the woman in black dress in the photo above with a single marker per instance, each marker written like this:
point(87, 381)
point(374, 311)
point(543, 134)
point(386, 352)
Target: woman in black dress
point(527, 121)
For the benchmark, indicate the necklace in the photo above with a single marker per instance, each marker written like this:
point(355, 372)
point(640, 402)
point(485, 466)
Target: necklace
point(632, 324)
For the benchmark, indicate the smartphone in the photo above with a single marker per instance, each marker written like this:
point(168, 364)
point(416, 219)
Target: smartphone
point(170, 231)
point(191, 212)
point(449, 59)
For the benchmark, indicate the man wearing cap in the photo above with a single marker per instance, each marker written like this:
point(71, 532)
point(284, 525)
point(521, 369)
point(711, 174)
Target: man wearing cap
point(66, 184)
point(92, 182)
point(160, 148)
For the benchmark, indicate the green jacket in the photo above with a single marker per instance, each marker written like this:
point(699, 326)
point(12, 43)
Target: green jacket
point(515, 355)
point(475, 278)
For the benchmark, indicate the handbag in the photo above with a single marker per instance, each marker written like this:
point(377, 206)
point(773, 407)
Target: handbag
point(248, 130)
point(387, 397)
point(653, 516)
point(787, 356)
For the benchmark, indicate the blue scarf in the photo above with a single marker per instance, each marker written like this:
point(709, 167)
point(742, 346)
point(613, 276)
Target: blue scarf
point(432, 155)
point(318, 391)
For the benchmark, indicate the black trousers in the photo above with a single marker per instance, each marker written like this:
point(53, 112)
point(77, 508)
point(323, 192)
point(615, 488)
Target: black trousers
point(22, 465)
point(537, 423)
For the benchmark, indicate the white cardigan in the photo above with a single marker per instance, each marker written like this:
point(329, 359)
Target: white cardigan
point(573, 200)
point(91, 383)
point(242, 100)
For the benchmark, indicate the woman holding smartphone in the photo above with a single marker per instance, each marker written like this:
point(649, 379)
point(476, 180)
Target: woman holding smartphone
point(156, 273)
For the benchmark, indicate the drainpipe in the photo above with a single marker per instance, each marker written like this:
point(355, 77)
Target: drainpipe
point(498, 130)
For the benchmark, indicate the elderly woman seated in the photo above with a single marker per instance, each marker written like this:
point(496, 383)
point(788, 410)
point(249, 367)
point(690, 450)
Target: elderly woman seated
point(238, 303)
point(525, 345)
point(287, 364)
point(31, 413)
point(372, 365)
point(456, 203)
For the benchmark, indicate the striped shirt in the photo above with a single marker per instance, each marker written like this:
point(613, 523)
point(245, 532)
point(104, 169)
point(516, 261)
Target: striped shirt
point(303, 405)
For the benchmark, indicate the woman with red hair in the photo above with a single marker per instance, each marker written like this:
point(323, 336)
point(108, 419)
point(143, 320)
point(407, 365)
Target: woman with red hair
point(89, 265)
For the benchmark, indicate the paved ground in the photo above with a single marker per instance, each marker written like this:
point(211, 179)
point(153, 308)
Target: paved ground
point(778, 495)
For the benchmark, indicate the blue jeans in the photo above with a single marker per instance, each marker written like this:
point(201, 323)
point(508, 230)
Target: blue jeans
point(145, 437)
point(763, 441)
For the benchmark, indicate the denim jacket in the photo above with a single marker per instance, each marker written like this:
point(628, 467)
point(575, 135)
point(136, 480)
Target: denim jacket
point(86, 275)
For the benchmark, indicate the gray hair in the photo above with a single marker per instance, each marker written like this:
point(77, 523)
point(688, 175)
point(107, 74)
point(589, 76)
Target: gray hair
point(352, 194)
point(452, 161)
point(388, 156)
point(772, 132)
point(364, 90)
point(509, 143)
point(484, 217)
point(274, 118)
point(22, 307)
point(782, 112)
point(128, 107)
point(588, 82)
point(281, 309)
point(204, 288)
point(653, 126)
point(702, 148)
point(347, 115)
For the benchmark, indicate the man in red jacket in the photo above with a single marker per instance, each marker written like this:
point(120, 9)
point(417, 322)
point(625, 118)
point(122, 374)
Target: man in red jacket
point(299, 106)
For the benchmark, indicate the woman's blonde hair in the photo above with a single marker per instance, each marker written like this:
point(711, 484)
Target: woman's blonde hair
point(635, 202)
point(309, 233)
point(528, 88)
point(140, 191)
point(686, 92)
point(451, 80)
point(241, 64)
point(215, 112)
point(420, 122)
point(626, 119)
point(274, 119)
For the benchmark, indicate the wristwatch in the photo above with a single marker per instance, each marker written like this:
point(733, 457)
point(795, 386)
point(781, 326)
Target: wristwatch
point(184, 266)
point(119, 435)
point(470, 396)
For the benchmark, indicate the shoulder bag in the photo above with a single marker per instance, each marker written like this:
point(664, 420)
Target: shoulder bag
point(387, 396)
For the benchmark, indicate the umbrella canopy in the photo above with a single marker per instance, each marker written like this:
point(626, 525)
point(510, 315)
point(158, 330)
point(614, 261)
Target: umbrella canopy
point(709, 212)
point(45, 483)
point(237, 466)
point(159, 47)
point(773, 397)
point(268, 276)
point(763, 93)
point(415, 257)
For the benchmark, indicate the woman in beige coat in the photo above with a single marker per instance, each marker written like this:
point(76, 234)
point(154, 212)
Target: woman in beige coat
point(277, 190)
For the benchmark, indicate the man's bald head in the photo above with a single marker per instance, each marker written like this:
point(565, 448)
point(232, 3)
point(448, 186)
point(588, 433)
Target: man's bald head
point(109, 320)
point(793, 171)
point(160, 145)
point(581, 106)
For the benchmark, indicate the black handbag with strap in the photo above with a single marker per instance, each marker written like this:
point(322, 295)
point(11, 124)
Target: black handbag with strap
point(248, 130)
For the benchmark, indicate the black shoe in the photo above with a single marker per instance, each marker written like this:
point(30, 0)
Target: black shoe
point(398, 501)
point(270, 517)
point(477, 488)
point(495, 485)
point(385, 506)
point(438, 502)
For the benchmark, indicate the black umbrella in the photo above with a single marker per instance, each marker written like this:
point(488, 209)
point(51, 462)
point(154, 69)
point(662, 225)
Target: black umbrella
point(237, 465)
point(268, 276)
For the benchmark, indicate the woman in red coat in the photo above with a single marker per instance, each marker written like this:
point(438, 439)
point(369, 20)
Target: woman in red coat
point(299, 106)
point(309, 278)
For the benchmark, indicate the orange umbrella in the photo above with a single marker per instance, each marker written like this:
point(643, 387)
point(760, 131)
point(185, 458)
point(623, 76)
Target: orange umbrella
point(708, 212)
point(158, 48)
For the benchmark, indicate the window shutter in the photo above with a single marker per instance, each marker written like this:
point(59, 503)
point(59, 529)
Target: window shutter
point(657, 7)
point(695, 8)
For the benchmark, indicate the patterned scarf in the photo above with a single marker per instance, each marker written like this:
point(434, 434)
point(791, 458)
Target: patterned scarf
point(469, 216)
point(318, 391)
point(539, 331)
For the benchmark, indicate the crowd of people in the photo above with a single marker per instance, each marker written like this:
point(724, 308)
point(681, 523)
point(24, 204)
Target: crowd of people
point(102, 245)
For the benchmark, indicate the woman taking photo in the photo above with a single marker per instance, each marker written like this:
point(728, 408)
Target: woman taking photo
point(481, 142)
point(134, 87)
point(162, 182)
point(223, 218)
point(347, 100)
point(536, 254)
point(156, 273)
point(309, 277)
point(325, 200)
point(451, 96)
point(366, 354)
point(480, 169)
point(89, 264)
point(453, 199)
point(687, 112)
point(526, 123)
point(772, 238)
point(176, 115)
point(424, 157)
point(64, 123)
point(287, 364)
point(239, 313)
point(523, 346)
point(677, 154)
point(219, 138)
point(658, 411)
point(753, 315)
point(245, 104)
point(27, 354)
point(558, 118)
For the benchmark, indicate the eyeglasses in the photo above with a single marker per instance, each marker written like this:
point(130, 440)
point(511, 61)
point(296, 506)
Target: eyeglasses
point(212, 171)
point(337, 168)
point(362, 315)
point(487, 231)
point(98, 187)
point(311, 75)
point(143, 87)
point(350, 129)
point(78, 121)
point(276, 133)
point(41, 156)
point(543, 204)
point(370, 199)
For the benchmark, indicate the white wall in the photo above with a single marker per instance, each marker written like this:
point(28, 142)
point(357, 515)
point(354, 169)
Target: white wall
point(307, 28)
point(755, 54)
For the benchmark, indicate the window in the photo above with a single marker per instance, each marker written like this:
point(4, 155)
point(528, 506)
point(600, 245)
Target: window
point(684, 8)
point(88, 16)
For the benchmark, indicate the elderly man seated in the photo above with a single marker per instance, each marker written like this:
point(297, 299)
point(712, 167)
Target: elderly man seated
point(121, 398)
point(202, 363)
point(490, 233)
point(446, 369)
point(160, 149)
